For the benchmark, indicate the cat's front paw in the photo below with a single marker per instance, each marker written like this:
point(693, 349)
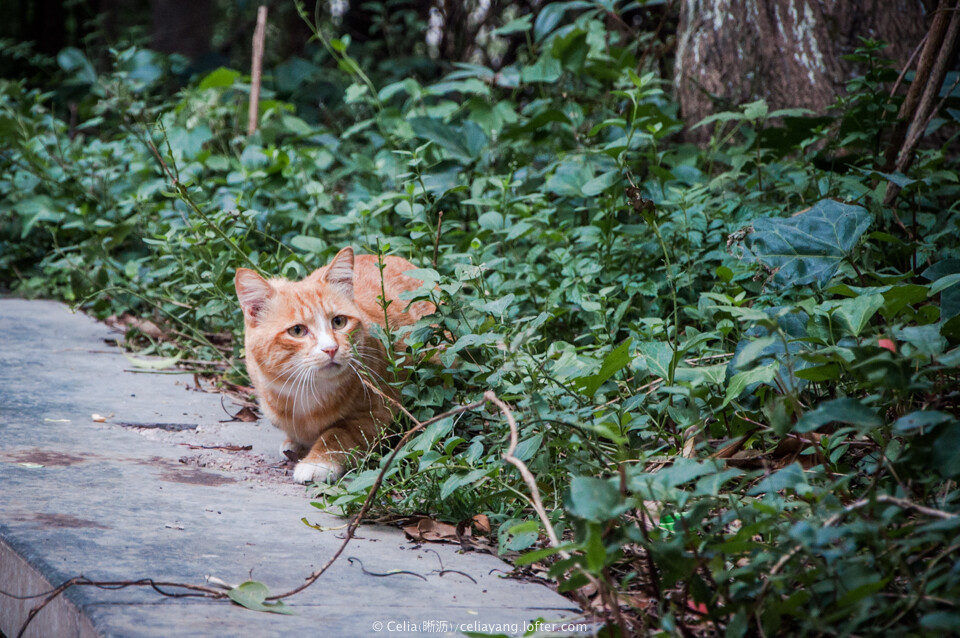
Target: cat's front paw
point(317, 471)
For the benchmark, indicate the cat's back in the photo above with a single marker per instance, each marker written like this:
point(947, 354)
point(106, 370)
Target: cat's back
point(367, 289)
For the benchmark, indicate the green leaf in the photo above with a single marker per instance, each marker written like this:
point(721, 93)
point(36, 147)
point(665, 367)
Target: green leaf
point(943, 283)
point(845, 410)
point(528, 447)
point(309, 244)
point(857, 312)
point(899, 297)
point(742, 380)
point(154, 364)
point(807, 248)
point(926, 339)
point(601, 183)
point(725, 116)
point(73, 60)
point(463, 143)
point(456, 481)
point(218, 79)
point(922, 420)
point(39, 208)
point(616, 360)
point(547, 69)
point(253, 594)
point(498, 306)
point(789, 477)
point(523, 23)
point(550, 15)
point(658, 356)
point(755, 349)
point(862, 591)
point(945, 453)
point(755, 110)
point(827, 372)
point(594, 499)
point(569, 178)
point(537, 555)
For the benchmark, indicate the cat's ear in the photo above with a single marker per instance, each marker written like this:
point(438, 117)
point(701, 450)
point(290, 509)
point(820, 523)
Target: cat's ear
point(253, 292)
point(340, 272)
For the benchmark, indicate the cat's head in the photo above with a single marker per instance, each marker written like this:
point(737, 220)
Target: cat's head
point(312, 324)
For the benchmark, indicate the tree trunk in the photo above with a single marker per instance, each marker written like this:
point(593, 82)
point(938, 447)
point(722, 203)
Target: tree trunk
point(788, 52)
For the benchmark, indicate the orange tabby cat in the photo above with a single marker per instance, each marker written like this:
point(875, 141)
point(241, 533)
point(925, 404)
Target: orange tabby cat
point(308, 343)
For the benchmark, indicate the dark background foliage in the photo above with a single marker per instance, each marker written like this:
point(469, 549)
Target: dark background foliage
point(711, 273)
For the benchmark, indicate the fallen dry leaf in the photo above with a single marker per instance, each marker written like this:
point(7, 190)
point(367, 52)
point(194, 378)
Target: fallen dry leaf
point(145, 326)
point(481, 523)
point(426, 529)
point(730, 449)
point(246, 415)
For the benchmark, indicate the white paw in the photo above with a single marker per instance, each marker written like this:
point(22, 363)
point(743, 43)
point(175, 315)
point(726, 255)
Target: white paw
point(319, 471)
point(291, 450)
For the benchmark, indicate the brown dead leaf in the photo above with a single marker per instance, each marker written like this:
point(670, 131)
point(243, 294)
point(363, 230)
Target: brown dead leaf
point(790, 449)
point(752, 459)
point(588, 590)
point(246, 415)
point(730, 449)
point(127, 321)
point(425, 529)
point(481, 523)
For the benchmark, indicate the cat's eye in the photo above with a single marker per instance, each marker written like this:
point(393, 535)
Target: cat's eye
point(298, 330)
point(339, 322)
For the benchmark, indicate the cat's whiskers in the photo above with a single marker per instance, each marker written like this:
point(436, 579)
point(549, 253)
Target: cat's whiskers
point(290, 375)
point(312, 384)
point(376, 376)
point(366, 391)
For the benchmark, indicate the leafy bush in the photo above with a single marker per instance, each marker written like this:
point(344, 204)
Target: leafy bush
point(741, 417)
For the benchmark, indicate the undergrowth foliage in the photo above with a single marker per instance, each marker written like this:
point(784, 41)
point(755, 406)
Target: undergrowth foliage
point(734, 370)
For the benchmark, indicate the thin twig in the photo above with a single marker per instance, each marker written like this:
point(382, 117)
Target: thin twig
point(436, 240)
point(256, 70)
point(352, 528)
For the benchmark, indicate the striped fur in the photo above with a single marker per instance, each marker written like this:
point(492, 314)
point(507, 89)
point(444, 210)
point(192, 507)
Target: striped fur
point(310, 384)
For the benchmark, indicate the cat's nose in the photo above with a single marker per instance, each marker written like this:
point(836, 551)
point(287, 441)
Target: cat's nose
point(331, 351)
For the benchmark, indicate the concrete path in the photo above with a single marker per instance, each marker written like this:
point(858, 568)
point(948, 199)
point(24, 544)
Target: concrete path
point(124, 502)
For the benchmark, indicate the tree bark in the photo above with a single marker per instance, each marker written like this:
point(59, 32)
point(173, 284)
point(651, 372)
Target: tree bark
point(788, 52)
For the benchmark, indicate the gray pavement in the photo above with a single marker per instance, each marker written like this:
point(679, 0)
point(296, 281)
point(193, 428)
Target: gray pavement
point(124, 502)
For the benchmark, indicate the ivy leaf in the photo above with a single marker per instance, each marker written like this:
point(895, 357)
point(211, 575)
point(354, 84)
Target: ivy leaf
point(807, 248)
point(741, 381)
point(253, 594)
point(857, 312)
